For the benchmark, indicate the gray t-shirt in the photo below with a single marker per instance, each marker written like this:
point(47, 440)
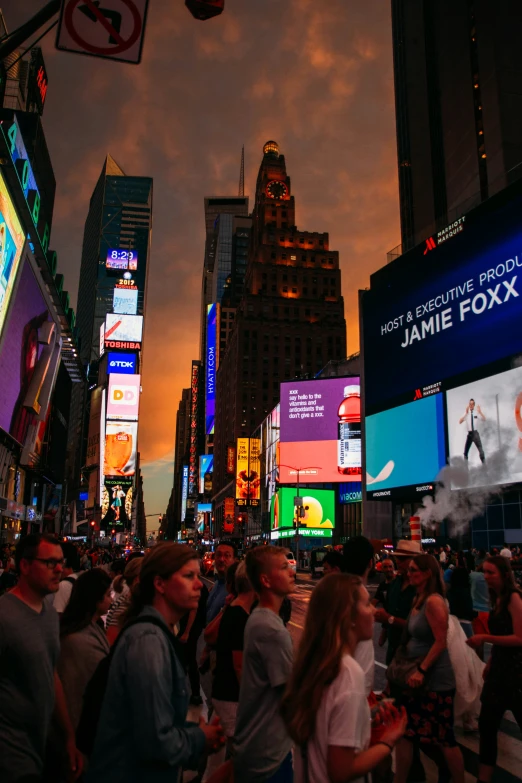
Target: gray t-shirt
point(261, 740)
point(29, 647)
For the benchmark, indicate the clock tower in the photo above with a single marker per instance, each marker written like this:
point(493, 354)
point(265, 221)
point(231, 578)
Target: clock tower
point(274, 203)
point(289, 323)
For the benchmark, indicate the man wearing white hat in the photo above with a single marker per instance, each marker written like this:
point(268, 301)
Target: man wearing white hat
point(400, 596)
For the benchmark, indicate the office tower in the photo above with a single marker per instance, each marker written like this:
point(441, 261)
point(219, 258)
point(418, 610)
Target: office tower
point(120, 220)
point(181, 456)
point(458, 106)
point(219, 211)
point(290, 320)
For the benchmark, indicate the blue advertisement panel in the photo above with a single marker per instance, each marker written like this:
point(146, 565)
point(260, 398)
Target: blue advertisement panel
point(405, 447)
point(210, 369)
point(206, 469)
point(429, 317)
point(350, 493)
point(124, 363)
point(184, 493)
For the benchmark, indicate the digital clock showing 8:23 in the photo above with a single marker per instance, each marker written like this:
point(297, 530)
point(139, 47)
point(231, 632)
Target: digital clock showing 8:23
point(121, 259)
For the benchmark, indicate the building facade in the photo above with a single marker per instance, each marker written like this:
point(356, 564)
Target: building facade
point(289, 322)
point(458, 108)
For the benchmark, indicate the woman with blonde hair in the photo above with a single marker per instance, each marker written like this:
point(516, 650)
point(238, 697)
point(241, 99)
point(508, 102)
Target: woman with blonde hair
point(325, 705)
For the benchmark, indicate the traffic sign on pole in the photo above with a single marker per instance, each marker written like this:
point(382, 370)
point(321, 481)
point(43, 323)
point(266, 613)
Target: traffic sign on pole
point(112, 29)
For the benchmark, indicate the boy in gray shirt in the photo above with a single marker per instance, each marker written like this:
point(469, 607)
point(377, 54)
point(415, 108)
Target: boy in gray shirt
point(262, 747)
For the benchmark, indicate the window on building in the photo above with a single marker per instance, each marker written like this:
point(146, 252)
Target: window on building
point(305, 291)
point(294, 290)
point(283, 256)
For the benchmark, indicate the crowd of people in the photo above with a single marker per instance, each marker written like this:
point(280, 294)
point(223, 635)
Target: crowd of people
point(100, 665)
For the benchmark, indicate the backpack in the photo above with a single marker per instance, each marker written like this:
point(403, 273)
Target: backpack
point(97, 685)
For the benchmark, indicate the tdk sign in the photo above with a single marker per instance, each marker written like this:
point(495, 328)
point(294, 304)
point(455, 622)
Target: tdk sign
point(124, 363)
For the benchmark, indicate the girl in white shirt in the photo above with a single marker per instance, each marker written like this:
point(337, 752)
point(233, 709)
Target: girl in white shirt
point(325, 704)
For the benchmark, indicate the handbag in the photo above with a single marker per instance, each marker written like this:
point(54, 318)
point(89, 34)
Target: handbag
point(401, 668)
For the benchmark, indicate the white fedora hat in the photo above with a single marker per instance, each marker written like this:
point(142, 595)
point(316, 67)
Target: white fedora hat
point(408, 548)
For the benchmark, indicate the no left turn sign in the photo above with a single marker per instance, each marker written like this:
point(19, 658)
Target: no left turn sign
point(112, 29)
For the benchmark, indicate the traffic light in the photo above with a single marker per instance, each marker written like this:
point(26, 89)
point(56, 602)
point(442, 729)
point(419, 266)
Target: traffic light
point(93, 523)
point(113, 532)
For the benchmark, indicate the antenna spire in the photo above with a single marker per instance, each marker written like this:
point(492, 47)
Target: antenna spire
point(242, 173)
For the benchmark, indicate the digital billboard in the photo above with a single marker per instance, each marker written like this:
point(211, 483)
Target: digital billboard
point(485, 430)
point(120, 448)
point(318, 504)
point(429, 317)
point(184, 492)
point(123, 363)
point(206, 468)
point(443, 321)
point(123, 398)
point(320, 430)
point(210, 368)
point(125, 300)
point(29, 361)
point(116, 504)
point(248, 481)
point(12, 240)
point(350, 493)
point(405, 447)
point(123, 331)
point(121, 259)
point(201, 510)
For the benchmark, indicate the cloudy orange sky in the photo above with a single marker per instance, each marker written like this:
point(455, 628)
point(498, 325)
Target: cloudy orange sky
point(315, 75)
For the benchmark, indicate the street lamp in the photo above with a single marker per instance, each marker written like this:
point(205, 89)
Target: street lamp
point(298, 505)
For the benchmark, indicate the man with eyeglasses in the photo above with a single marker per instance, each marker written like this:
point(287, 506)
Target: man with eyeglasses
point(30, 690)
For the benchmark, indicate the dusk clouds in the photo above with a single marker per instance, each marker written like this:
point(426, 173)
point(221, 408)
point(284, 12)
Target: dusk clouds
point(315, 75)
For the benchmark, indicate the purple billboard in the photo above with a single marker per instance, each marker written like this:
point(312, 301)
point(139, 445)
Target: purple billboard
point(321, 430)
point(28, 362)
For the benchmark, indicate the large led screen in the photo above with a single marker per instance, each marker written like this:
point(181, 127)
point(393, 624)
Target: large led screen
point(200, 511)
point(320, 431)
point(125, 301)
point(206, 468)
point(123, 331)
point(123, 398)
point(12, 240)
point(405, 447)
point(248, 466)
point(28, 358)
point(121, 259)
point(429, 317)
point(116, 504)
point(318, 504)
point(485, 430)
point(123, 363)
point(210, 369)
point(121, 439)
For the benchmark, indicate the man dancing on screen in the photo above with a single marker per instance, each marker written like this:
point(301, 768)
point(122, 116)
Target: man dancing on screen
point(471, 418)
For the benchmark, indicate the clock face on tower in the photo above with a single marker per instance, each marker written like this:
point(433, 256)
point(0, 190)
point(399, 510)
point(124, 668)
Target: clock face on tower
point(276, 189)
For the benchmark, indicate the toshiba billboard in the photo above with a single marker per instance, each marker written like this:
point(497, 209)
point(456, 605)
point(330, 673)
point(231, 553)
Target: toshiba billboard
point(123, 399)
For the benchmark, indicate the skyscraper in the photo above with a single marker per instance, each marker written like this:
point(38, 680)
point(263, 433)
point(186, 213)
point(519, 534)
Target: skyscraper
point(458, 107)
point(119, 219)
point(219, 211)
point(290, 320)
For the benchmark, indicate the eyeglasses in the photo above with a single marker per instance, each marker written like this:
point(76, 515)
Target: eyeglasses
point(51, 562)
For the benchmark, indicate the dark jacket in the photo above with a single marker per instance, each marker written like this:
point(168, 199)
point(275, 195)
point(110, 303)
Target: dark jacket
point(143, 736)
